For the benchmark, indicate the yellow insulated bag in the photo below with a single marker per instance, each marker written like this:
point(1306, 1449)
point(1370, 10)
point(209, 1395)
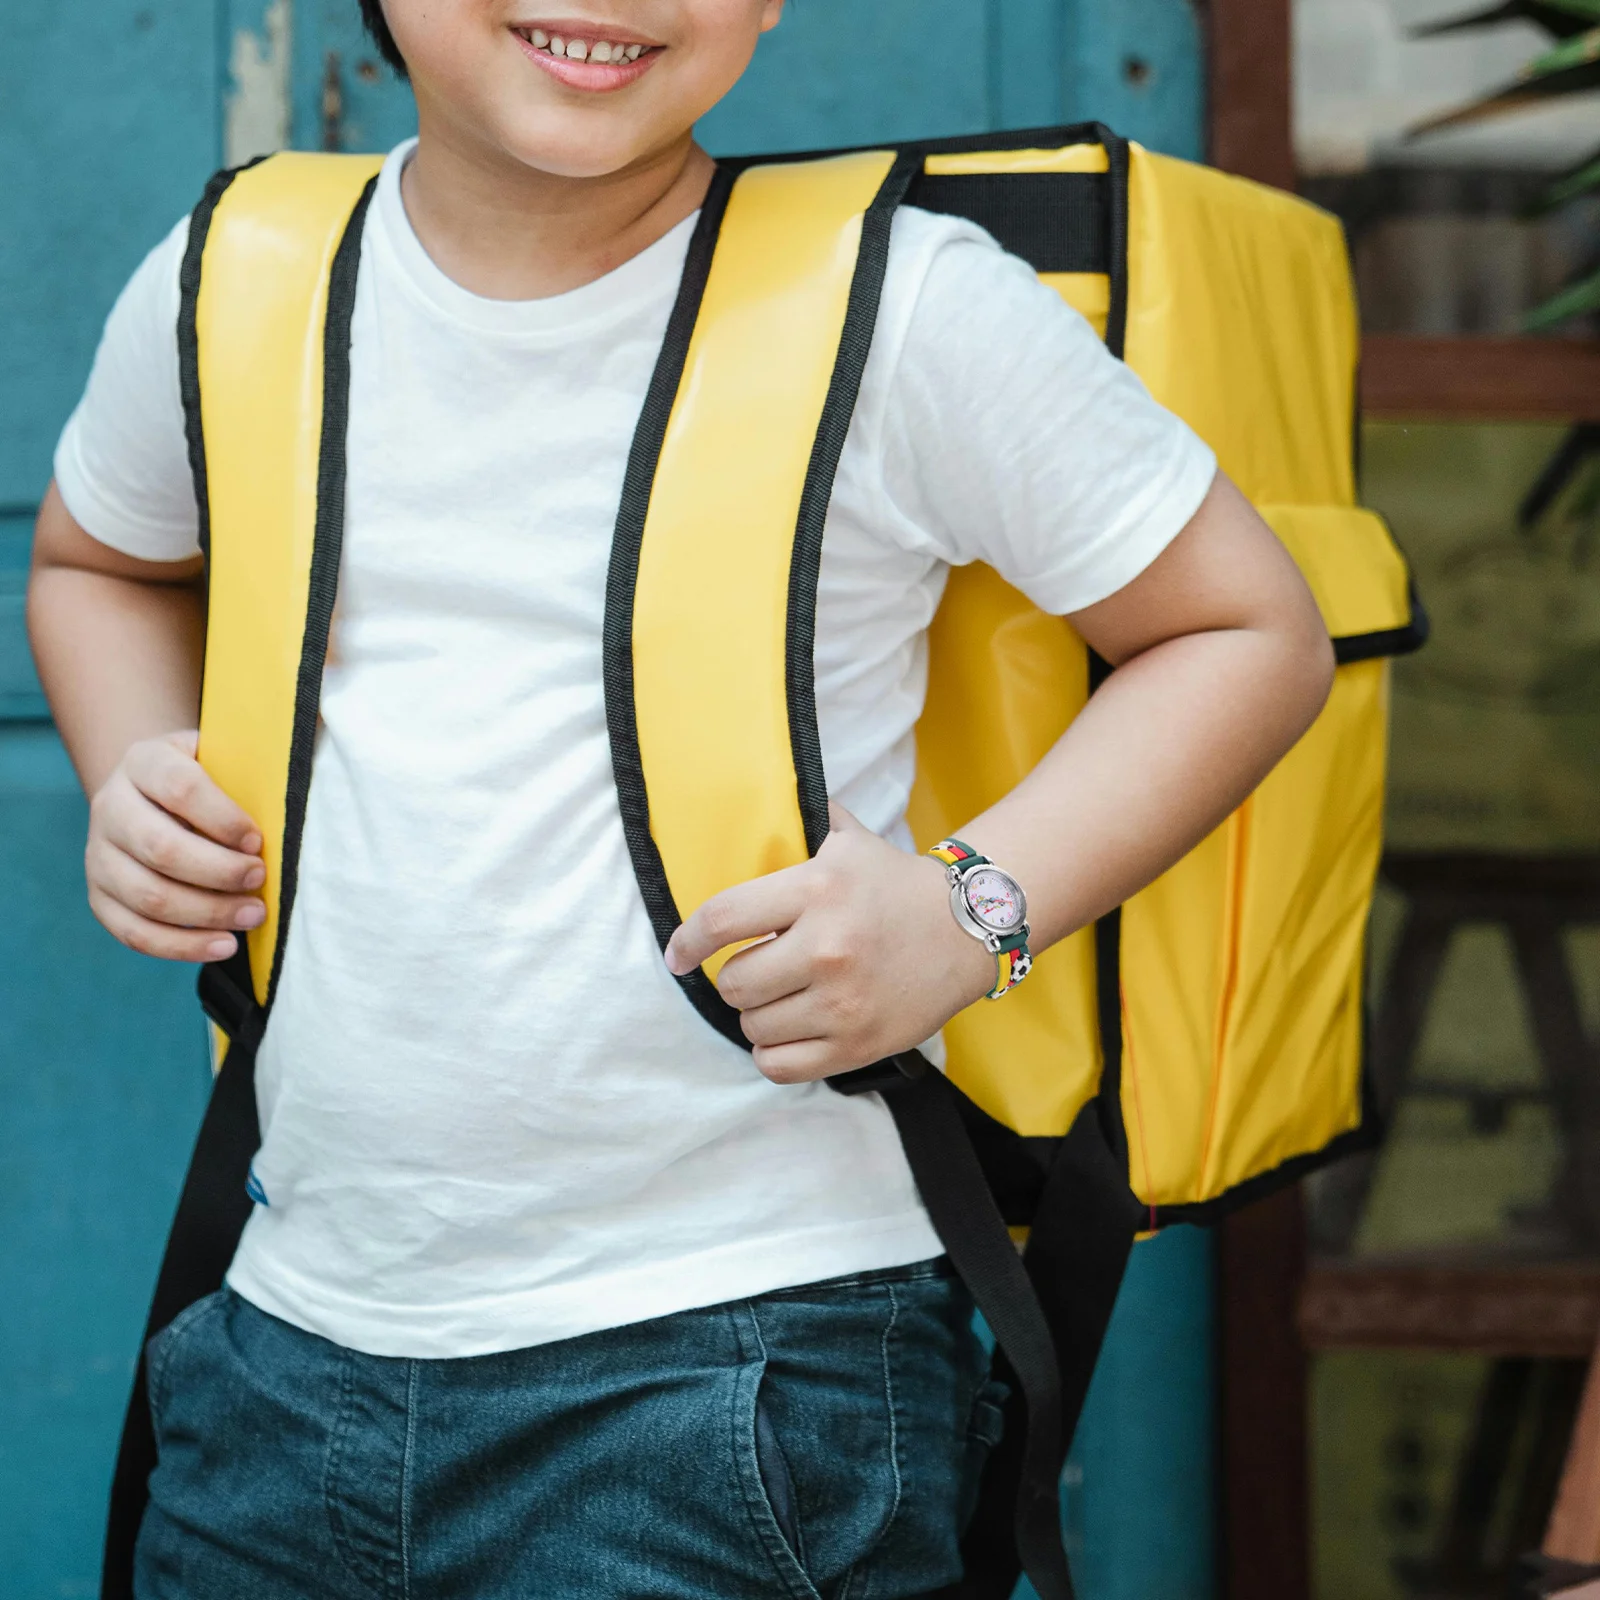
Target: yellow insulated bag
point(1201, 1044)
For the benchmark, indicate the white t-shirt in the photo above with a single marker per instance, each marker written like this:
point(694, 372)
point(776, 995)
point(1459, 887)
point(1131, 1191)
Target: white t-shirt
point(485, 1126)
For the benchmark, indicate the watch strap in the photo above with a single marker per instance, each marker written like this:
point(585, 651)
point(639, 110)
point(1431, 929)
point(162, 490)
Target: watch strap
point(1013, 965)
point(1013, 959)
point(955, 854)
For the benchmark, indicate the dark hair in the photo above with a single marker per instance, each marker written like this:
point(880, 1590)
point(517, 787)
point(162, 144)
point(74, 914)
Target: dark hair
point(378, 27)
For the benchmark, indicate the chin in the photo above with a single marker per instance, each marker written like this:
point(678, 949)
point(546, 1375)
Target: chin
point(578, 146)
point(574, 157)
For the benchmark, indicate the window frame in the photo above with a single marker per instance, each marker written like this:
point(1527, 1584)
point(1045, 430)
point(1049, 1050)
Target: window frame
point(1252, 133)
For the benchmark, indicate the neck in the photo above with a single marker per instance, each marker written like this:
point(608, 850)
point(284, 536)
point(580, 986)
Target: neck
point(506, 231)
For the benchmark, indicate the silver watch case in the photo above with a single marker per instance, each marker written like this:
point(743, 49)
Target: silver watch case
point(966, 918)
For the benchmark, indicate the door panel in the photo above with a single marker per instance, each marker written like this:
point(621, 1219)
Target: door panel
point(108, 128)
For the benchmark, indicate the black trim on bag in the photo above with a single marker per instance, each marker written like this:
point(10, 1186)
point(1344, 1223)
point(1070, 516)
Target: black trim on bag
point(621, 581)
point(1056, 221)
point(1119, 166)
point(1366, 1135)
point(323, 585)
point(855, 343)
point(189, 341)
point(1057, 137)
point(1387, 641)
point(190, 274)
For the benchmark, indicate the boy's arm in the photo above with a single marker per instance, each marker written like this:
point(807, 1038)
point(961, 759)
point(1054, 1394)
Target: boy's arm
point(170, 859)
point(1223, 662)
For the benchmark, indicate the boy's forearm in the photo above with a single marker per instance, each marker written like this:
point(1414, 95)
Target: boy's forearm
point(1169, 746)
point(1223, 661)
point(119, 656)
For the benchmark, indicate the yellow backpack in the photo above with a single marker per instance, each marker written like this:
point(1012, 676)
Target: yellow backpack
point(1201, 1044)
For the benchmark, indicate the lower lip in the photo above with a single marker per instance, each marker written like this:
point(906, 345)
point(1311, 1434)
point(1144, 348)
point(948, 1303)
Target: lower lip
point(596, 77)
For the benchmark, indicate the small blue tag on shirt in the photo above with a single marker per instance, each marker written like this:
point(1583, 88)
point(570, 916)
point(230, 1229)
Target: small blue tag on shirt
point(252, 1187)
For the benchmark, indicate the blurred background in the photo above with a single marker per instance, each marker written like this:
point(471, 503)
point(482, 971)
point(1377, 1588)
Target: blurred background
point(1362, 1391)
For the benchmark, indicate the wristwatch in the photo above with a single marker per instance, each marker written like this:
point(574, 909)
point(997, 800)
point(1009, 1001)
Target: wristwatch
point(988, 904)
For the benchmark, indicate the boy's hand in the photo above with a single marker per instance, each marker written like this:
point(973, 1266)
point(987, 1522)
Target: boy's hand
point(171, 859)
point(867, 959)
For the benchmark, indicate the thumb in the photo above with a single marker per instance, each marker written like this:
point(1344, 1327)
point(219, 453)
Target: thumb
point(185, 739)
point(842, 821)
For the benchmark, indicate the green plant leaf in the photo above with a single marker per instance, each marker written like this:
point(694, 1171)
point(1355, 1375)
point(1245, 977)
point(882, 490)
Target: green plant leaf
point(1571, 68)
point(1570, 185)
point(1563, 18)
point(1574, 52)
point(1573, 301)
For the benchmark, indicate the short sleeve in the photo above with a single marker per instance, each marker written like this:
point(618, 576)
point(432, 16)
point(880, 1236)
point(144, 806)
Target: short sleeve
point(1012, 436)
point(122, 464)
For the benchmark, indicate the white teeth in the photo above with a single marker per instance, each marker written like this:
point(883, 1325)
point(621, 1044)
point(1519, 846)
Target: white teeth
point(581, 50)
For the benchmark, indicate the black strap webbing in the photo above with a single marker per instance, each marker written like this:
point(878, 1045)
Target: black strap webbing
point(1077, 1252)
point(926, 1110)
point(1048, 1308)
point(212, 1212)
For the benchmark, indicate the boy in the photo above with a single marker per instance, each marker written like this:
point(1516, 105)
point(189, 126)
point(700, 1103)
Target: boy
point(549, 1290)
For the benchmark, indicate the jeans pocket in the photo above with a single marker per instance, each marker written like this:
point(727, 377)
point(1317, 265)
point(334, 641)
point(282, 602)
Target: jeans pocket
point(765, 1476)
point(985, 1428)
point(778, 1482)
point(164, 1345)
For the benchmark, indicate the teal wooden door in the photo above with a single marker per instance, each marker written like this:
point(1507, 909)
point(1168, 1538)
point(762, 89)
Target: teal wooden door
point(112, 113)
point(107, 122)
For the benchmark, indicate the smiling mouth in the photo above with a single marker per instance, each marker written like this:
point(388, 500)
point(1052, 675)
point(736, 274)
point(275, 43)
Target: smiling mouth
point(582, 50)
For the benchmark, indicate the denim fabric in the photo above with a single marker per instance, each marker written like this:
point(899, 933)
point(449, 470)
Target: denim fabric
point(819, 1442)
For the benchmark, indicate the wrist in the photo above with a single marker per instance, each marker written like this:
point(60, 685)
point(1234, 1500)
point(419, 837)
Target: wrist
point(963, 970)
point(989, 906)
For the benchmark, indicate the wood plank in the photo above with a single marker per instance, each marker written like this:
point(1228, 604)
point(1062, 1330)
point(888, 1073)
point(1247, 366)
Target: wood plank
point(1252, 125)
point(1266, 1534)
point(1502, 379)
point(1574, 1530)
point(1528, 1310)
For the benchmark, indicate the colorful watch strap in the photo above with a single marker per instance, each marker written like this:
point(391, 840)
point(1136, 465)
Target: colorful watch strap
point(1013, 959)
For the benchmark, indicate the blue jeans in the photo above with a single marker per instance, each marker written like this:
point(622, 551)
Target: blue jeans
point(819, 1442)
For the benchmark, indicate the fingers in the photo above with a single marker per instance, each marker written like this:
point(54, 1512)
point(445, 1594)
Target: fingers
point(155, 939)
point(122, 816)
point(746, 911)
point(803, 1061)
point(165, 771)
point(763, 973)
point(159, 899)
point(172, 863)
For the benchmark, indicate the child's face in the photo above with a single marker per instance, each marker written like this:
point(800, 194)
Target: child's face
point(486, 70)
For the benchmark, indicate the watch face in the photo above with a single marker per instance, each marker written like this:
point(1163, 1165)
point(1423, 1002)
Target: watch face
point(994, 899)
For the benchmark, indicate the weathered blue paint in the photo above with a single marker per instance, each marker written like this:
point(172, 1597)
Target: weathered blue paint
point(107, 136)
point(102, 1077)
point(376, 110)
point(1139, 66)
point(833, 73)
point(107, 127)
